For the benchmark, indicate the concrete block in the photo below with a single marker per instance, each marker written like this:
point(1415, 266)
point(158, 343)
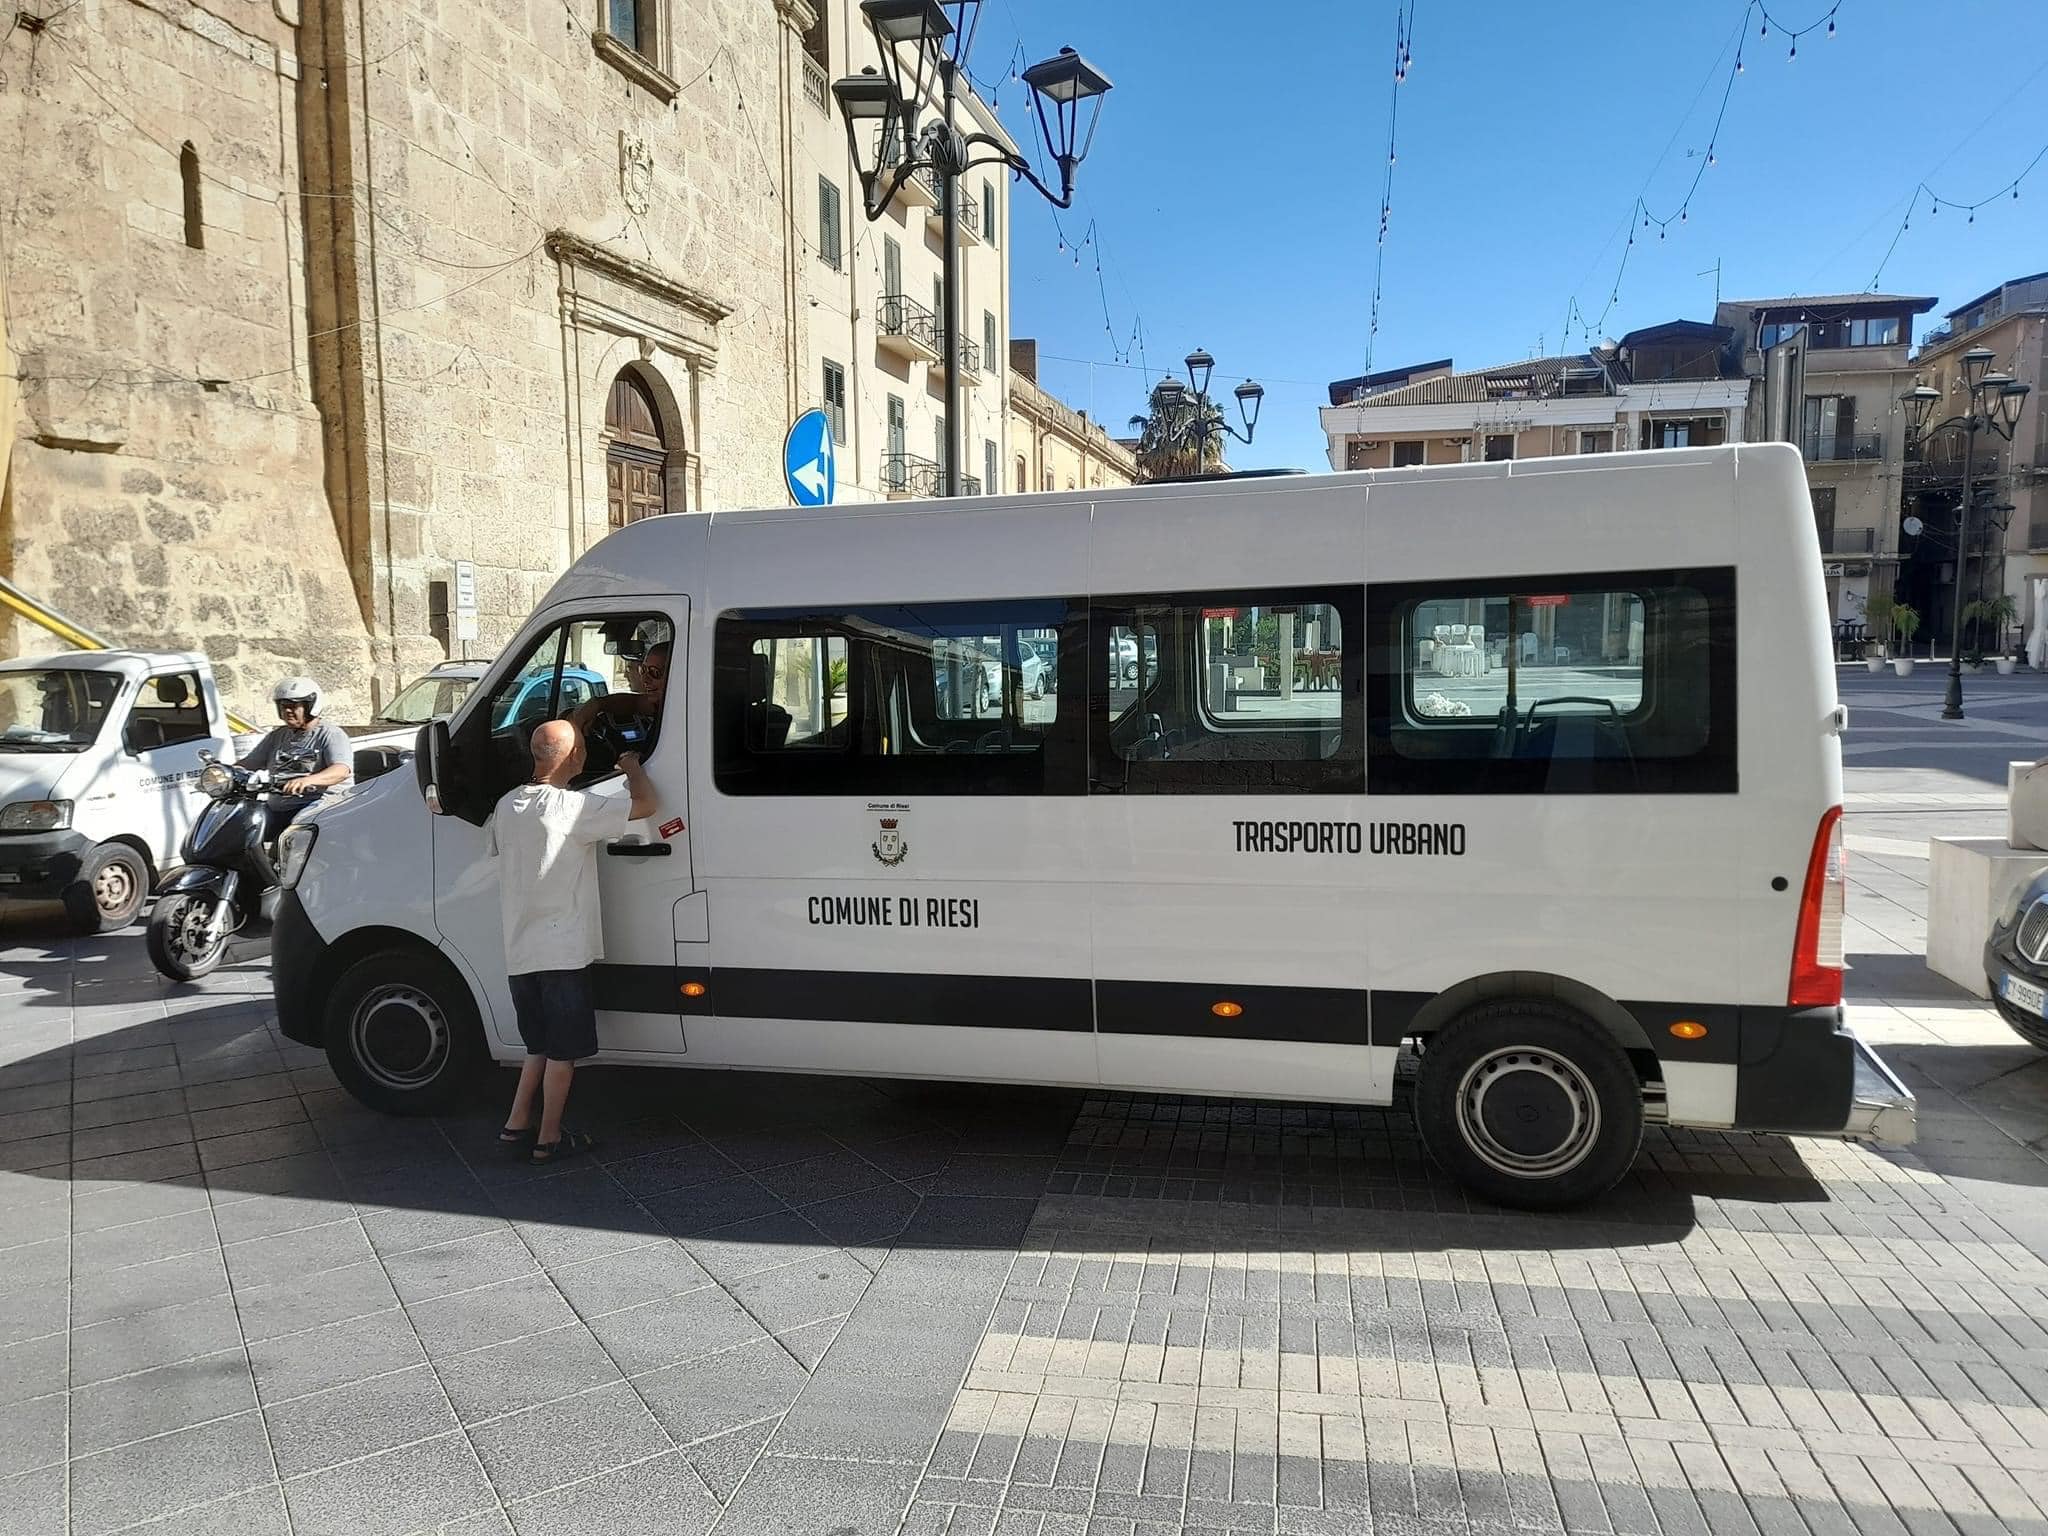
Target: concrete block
point(2026, 804)
point(1969, 882)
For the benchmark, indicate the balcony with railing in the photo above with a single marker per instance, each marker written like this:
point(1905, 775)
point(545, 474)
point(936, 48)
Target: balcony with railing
point(1848, 541)
point(935, 211)
point(910, 476)
point(905, 327)
point(919, 189)
point(2037, 533)
point(1842, 447)
point(815, 89)
point(970, 361)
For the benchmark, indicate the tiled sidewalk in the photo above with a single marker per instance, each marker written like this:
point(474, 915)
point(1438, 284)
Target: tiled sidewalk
point(232, 1301)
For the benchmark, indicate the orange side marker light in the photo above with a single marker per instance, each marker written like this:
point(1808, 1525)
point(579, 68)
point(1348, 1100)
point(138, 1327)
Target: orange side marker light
point(1689, 1029)
point(694, 989)
point(1226, 1009)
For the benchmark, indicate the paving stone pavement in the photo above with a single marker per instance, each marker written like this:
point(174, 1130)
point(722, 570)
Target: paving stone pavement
point(230, 1300)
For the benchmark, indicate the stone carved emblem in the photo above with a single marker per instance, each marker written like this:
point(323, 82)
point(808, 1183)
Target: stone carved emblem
point(636, 171)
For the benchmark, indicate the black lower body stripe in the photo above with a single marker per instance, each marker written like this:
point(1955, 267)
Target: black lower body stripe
point(1074, 1004)
point(1320, 1015)
point(905, 997)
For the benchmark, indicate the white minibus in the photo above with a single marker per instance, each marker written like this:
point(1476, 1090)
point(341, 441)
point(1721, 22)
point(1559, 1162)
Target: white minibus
point(1530, 767)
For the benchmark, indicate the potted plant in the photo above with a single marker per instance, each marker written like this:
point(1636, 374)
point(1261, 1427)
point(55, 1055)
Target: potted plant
point(2002, 613)
point(1905, 622)
point(1877, 616)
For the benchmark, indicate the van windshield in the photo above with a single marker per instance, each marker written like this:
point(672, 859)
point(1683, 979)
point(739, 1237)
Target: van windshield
point(60, 709)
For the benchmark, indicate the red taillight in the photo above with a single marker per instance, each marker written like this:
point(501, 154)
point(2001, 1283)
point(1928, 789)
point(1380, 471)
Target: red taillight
point(1817, 949)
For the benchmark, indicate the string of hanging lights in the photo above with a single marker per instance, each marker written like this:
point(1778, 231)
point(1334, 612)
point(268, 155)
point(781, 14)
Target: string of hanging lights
point(1935, 202)
point(1642, 218)
point(1404, 60)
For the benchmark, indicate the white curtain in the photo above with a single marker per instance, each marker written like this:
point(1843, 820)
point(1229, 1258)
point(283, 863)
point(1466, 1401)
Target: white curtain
point(2037, 642)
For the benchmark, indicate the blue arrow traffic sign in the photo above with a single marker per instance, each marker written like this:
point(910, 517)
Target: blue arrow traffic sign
point(808, 462)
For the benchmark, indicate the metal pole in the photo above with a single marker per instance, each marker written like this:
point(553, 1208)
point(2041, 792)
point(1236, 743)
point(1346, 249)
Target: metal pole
point(1952, 701)
point(946, 163)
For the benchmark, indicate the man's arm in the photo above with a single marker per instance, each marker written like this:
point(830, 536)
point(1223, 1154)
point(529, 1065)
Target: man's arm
point(340, 768)
point(639, 784)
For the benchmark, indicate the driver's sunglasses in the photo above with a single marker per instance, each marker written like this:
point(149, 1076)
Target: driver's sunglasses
point(301, 705)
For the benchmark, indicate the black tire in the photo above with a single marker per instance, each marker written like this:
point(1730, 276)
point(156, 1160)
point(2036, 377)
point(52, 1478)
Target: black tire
point(402, 1032)
point(1529, 1105)
point(2029, 1028)
point(167, 950)
point(111, 887)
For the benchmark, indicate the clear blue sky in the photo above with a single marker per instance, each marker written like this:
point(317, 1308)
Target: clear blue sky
point(1235, 181)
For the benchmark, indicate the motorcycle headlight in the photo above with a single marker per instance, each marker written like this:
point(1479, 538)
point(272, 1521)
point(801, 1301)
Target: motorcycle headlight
point(294, 847)
point(216, 779)
point(36, 816)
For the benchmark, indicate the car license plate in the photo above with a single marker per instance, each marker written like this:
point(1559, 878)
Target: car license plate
point(2024, 994)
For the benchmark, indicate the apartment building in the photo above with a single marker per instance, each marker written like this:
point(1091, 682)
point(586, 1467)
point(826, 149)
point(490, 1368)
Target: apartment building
point(1669, 386)
point(874, 302)
point(1851, 431)
point(1054, 447)
point(2008, 537)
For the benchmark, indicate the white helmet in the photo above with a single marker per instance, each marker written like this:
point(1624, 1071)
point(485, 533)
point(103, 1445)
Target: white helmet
point(295, 690)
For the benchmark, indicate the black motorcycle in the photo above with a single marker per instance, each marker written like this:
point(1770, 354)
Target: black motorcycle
point(228, 881)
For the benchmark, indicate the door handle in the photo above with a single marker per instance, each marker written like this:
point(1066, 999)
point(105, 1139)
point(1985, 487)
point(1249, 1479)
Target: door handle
point(637, 850)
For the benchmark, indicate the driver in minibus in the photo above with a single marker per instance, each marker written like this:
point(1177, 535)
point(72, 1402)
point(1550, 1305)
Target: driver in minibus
point(637, 710)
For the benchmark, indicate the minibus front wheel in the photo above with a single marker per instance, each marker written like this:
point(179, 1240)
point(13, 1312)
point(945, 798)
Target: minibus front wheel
point(1529, 1105)
point(402, 1032)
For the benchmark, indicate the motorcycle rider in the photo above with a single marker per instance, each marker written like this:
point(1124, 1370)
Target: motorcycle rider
point(305, 753)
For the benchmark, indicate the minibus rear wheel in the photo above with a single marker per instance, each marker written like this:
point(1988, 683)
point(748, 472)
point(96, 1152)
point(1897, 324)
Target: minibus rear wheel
point(1529, 1105)
point(402, 1032)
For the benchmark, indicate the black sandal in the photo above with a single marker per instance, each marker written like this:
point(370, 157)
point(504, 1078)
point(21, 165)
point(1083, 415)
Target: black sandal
point(515, 1141)
point(572, 1142)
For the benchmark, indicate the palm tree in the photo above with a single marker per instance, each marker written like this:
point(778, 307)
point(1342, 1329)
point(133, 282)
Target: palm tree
point(1167, 437)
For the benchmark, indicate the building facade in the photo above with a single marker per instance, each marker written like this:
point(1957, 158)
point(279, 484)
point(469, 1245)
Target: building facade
point(873, 302)
point(307, 303)
point(1054, 447)
point(2008, 536)
point(1669, 386)
point(1851, 432)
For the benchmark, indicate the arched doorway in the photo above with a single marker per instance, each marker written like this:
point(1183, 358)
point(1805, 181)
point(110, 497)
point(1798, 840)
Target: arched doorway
point(635, 454)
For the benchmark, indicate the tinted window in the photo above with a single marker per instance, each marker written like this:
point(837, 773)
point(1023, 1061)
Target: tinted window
point(169, 710)
point(1588, 684)
point(1229, 693)
point(927, 698)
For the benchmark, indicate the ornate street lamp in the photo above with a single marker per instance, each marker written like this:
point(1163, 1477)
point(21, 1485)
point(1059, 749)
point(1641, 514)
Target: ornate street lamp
point(1204, 422)
point(1995, 402)
point(937, 35)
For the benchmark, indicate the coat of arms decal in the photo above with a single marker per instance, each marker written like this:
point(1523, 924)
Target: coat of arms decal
point(889, 847)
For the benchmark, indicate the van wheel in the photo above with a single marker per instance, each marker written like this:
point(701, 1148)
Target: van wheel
point(402, 1033)
point(111, 886)
point(1529, 1105)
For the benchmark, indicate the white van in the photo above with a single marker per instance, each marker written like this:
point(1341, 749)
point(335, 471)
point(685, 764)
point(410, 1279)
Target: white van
point(1535, 765)
point(100, 753)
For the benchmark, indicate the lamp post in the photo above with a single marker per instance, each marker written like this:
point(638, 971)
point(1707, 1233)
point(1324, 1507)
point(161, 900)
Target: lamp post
point(1995, 401)
point(1205, 422)
point(938, 35)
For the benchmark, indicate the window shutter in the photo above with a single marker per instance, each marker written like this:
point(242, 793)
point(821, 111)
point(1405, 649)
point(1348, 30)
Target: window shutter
point(828, 223)
point(1845, 426)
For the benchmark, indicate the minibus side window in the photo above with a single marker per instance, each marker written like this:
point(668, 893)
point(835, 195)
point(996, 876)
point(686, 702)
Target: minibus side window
point(1620, 683)
point(933, 698)
point(1244, 692)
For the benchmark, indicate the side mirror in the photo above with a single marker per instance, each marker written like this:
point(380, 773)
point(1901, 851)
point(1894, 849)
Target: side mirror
point(430, 753)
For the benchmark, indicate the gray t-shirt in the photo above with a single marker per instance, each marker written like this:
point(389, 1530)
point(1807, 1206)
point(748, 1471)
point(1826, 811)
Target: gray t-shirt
point(289, 754)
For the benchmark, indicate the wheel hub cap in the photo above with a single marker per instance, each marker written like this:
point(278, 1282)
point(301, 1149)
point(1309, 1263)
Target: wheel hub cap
point(400, 1036)
point(1528, 1113)
point(113, 888)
